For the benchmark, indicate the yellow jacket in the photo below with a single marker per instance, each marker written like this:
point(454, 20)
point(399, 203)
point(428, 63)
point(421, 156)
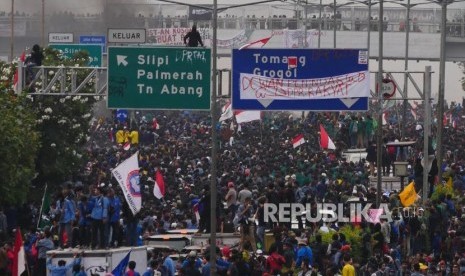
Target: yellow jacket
point(134, 137)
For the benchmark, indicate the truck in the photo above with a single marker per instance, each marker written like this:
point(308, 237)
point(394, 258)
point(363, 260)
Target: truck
point(101, 262)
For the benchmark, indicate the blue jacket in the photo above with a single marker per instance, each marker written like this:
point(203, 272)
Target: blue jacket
point(84, 210)
point(115, 204)
point(149, 272)
point(100, 210)
point(56, 270)
point(67, 210)
point(304, 252)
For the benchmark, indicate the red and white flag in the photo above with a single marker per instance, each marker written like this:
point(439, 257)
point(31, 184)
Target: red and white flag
point(19, 260)
point(126, 146)
point(196, 212)
point(414, 113)
point(155, 124)
point(247, 116)
point(22, 58)
point(159, 186)
point(298, 140)
point(226, 112)
point(256, 44)
point(385, 118)
point(325, 140)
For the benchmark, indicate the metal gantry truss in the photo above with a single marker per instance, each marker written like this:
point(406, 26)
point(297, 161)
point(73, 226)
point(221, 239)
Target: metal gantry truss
point(60, 80)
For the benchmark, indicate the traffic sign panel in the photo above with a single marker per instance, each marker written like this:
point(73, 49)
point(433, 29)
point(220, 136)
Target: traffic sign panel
point(94, 39)
point(94, 51)
point(300, 79)
point(126, 35)
point(159, 78)
point(60, 38)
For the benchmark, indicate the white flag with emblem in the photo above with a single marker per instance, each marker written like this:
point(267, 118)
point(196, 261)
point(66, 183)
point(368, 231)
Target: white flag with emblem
point(127, 174)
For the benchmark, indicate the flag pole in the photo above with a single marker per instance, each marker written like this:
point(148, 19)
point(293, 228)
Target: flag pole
point(42, 206)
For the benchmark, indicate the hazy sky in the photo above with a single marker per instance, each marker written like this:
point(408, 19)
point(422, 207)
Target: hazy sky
point(453, 72)
point(84, 6)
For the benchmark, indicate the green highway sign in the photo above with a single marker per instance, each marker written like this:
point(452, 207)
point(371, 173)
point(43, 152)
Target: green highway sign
point(94, 51)
point(159, 78)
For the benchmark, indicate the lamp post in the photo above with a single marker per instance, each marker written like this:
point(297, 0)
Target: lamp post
point(442, 75)
point(12, 35)
point(407, 36)
point(319, 24)
point(43, 23)
point(213, 186)
point(379, 138)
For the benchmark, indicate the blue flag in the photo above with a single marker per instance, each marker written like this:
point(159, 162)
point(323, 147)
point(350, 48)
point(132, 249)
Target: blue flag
point(121, 268)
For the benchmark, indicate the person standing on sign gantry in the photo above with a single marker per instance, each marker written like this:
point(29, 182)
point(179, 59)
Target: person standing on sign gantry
point(193, 38)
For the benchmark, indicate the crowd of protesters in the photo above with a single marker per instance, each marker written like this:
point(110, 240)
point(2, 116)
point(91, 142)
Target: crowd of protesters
point(257, 164)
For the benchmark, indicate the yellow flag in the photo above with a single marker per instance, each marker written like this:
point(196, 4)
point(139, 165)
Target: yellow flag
point(449, 182)
point(408, 195)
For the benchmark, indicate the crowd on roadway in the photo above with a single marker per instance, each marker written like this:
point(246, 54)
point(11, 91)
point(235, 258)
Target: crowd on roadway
point(256, 164)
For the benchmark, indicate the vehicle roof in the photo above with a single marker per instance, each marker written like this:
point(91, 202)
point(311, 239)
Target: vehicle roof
point(401, 144)
point(167, 237)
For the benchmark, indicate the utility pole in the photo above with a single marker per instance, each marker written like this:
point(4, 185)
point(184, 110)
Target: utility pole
point(407, 36)
point(12, 34)
point(427, 131)
point(43, 23)
point(441, 92)
point(379, 138)
point(213, 185)
point(319, 25)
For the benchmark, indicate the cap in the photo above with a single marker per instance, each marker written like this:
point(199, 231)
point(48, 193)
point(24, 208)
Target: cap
point(230, 184)
point(193, 254)
point(259, 252)
point(423, 266)
point(226, 251)
point(302, 242)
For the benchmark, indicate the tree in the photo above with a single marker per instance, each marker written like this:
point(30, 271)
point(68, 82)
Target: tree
point(63, 122)
point(20, 144)
point(50, 130)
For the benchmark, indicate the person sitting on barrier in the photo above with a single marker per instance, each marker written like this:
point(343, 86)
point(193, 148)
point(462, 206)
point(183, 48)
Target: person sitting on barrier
point(35, 59)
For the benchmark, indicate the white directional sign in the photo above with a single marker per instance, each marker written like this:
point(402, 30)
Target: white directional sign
point(126, 35)
point(60, 38)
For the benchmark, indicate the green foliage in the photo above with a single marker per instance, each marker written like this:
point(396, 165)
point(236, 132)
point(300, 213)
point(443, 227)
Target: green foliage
point(353, 237)
point(441, 190)
point(20, 144)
